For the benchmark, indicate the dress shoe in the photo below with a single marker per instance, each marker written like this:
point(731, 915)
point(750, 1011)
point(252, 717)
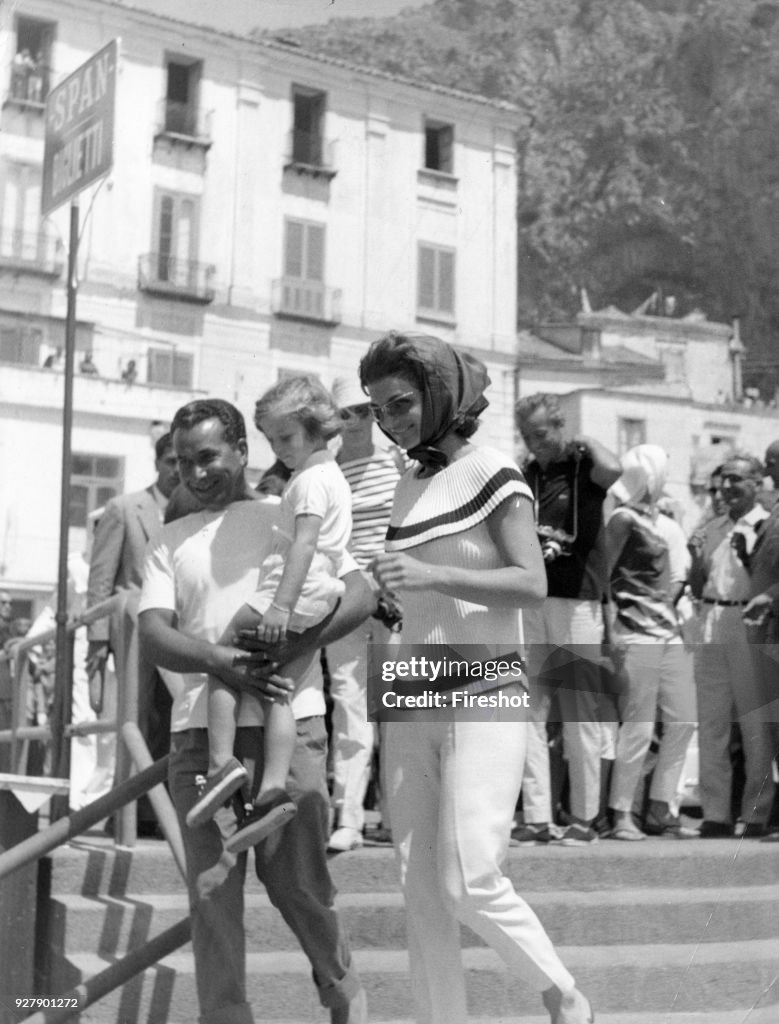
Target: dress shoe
point(715, 830)
point(572, 1008)
point(355, 1011)
point(344, 838)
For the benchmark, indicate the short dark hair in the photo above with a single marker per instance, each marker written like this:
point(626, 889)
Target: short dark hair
point(755, 465)
point(189, 415)
point(395, 355)
point(392, 356)
point(526, 406)
point(162, 444)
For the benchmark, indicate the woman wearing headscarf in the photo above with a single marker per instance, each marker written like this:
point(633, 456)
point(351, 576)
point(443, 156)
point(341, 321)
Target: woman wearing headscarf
point(463, 557)
point(648, 566)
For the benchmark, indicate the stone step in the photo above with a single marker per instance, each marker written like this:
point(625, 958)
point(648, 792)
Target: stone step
point(716, 978)
point(748, 1015)
point(111, 925)
point(93, 865)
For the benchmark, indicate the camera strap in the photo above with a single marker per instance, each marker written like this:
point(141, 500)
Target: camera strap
point(575, 496)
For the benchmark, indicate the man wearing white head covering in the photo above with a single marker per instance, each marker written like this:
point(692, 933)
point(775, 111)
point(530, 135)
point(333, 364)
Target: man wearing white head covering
point(648, 563)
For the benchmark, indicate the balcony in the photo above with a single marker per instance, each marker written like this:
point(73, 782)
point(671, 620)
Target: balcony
point(160, 274)
point(309, 153)
point(183, 124)
point(40, 253)
point(306, 300)
point(29, 85)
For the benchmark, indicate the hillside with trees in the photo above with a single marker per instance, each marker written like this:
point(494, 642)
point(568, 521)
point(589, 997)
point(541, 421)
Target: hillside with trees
point(648, 135)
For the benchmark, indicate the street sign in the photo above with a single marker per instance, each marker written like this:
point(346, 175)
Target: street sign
point(79, 142)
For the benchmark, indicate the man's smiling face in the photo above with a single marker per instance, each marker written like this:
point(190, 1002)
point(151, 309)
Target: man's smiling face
point(210, 467)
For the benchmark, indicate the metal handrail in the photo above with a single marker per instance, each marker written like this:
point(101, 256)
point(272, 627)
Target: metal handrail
point(149, 779)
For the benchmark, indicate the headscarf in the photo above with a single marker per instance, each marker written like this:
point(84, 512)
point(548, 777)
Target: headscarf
point(644, 472)
point(453, 385)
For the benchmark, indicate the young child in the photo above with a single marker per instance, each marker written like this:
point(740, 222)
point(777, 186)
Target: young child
point(298, 587)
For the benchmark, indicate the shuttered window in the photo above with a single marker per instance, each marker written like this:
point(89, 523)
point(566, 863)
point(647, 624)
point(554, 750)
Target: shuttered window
point(435, 281)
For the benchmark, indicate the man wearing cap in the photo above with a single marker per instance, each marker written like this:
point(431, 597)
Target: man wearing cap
point(372, 474)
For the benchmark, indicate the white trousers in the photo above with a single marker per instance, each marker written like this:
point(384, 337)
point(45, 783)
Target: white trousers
point(729, 691)
point(585, 739)
point(660, 679)
point(352, 737)
point(453, 786)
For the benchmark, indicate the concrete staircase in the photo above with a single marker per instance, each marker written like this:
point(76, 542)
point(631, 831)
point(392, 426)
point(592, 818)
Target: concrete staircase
point(661, 932)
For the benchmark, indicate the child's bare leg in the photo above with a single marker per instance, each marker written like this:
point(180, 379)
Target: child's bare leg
point(226, 774)
point(222, 718)
point(273, 806)
point(279, 745)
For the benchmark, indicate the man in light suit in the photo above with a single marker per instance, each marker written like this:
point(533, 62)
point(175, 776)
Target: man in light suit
point(124, 529)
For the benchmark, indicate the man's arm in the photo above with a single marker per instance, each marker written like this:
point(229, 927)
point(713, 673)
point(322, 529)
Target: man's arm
point(606, 468)
point(164, 645)
point(104, 565)
point(359, 602)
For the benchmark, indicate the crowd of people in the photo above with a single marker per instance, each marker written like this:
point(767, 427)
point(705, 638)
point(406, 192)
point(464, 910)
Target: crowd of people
point(630, 637)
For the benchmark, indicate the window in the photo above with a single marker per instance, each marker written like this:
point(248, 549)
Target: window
point(304, 251)
point(439, 147)
point(94, 480)
point(308, 114)
point(31, 64)
point(175, 238)
point(20, 218)
point(630, 433)
point(182, 97)
point(302, 288)
point(21, 344)
point(170, 368)
point(435, 282)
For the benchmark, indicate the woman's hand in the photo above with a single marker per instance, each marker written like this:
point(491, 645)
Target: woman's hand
point(396, 571)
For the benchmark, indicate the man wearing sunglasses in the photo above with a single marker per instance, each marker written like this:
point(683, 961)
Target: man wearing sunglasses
point(727, 684)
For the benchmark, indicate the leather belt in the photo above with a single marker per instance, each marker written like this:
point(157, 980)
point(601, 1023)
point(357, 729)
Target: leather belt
point(724, 604)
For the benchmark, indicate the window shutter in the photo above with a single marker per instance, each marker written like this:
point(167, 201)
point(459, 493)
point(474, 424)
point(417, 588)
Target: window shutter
point(293, 250)
point(426, 278)
point(182, 370)
point(315, 262)
point(446, 282)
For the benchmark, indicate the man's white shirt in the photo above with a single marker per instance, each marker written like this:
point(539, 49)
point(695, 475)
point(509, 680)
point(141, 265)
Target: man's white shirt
point(204, 567)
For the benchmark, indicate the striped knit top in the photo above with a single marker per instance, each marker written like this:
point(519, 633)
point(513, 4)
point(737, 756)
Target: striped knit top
point(442, 519)
point(372, 481)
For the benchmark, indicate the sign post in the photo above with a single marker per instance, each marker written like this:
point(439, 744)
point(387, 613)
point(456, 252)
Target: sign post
point(78, 151)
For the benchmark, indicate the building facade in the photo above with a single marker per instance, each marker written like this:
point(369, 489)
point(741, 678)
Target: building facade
point(269, 212)
point(631, 379)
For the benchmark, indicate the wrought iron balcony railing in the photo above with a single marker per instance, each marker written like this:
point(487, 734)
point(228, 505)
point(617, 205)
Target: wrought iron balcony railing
point(306, 300)
point(36, 252)
point(311, 153)
point(161, 274)
point(183, 122)
point(30, 84)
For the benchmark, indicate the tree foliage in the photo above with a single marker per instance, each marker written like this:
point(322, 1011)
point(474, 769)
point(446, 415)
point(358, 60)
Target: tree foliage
point(648, 141)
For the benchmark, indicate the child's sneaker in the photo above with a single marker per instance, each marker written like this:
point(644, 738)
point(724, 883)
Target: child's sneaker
point(264, 818)
point(215, 790)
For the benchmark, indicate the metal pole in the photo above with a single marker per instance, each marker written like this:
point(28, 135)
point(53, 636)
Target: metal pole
point(63, 666)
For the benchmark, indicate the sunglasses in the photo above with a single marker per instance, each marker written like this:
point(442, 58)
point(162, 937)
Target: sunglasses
point(355, 412)
point(731, 479)
point(397, 406)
